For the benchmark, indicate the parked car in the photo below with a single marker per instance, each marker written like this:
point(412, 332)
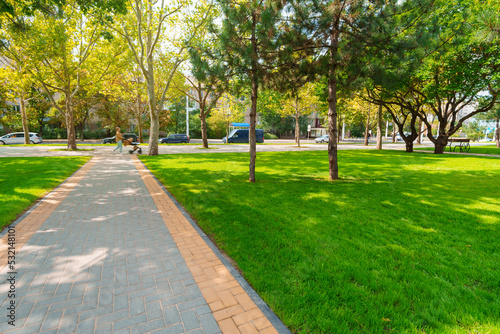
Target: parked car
point(322, 139)
point(18, 138)
point(241, 136)
point(175, 139)
point(112, 140)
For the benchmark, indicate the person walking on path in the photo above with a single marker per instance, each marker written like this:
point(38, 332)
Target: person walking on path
point(119, 139)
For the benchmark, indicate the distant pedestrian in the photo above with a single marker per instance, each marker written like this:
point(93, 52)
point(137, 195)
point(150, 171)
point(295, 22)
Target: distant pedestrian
point(119, 138)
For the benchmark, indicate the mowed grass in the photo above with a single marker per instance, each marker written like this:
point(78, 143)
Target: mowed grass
point(24, 180)
point(404, 243)
point(487, 149)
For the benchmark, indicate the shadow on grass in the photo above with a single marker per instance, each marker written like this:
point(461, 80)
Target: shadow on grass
point(403, 243)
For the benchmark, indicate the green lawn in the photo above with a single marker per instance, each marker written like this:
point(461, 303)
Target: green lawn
point(24, 180)
point(487, 149)
point(404, 243)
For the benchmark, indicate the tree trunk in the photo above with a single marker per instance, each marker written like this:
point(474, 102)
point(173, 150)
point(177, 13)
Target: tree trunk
point(139, 128)
point(409, 147)
point(367, 129)
point(253, 141)
point(25, 120)
point(440, 144)
point(253, 110)
point(419, 132)
point(153, 134)
point(379, 128)
point(204, 135)
point(139, 118)
point(393, 134)
point(332, 105)
point(338, 122)
point(154, 110)
point(297, 129)
point(70, 124)
point(497, 134)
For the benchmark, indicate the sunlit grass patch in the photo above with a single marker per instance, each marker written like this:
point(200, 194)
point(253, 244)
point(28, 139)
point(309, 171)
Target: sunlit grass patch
point(24, 180)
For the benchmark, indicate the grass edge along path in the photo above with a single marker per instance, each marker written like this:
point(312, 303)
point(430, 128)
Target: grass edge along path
point(25, 180)
point(403, 243)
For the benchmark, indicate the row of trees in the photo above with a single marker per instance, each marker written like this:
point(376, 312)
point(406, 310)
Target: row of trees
point(419, 61)
point(412, 59)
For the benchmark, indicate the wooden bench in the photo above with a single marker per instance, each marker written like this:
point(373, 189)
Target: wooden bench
point(462, 144)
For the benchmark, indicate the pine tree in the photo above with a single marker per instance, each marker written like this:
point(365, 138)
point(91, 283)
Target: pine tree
point(247, 45)
point(341, 33)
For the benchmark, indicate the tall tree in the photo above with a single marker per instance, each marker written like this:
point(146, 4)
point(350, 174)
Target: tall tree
point(153, 29)
point(341, 32)
point(64, 52)
point(210, 76)
point(302, 102)
point(455, 81)
point(20, 83)
point(493, 115)
point(246, 45)
point(206, 93)
point(405, 109)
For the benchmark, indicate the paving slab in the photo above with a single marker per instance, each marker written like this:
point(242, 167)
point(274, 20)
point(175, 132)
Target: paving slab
point(110, 251)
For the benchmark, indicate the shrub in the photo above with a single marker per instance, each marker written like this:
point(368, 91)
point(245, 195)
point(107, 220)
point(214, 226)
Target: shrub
point(268, 135)
point(55, 133)
point(94, 134)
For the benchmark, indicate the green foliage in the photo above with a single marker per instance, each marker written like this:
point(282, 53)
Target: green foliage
point(216, 127)
point(176, 119)
point(194, 125)
point(357, 130)
point(492, 115)
point(279, 124)
point(474, 131)
point(268, 135)
point(49, 7)
point(55, 133)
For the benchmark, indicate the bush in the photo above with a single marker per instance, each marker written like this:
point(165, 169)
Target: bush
point(270, 136)
point(55, 133)
point(94, 134)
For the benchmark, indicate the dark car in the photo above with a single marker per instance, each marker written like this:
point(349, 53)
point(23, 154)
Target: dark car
point(241, 136)
point(112, 140)
point(174, 139)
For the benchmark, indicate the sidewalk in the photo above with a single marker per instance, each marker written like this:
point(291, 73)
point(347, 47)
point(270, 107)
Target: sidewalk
point(109, 251)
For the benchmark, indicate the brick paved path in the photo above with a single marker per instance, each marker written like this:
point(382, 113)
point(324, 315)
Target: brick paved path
point(113, 254)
